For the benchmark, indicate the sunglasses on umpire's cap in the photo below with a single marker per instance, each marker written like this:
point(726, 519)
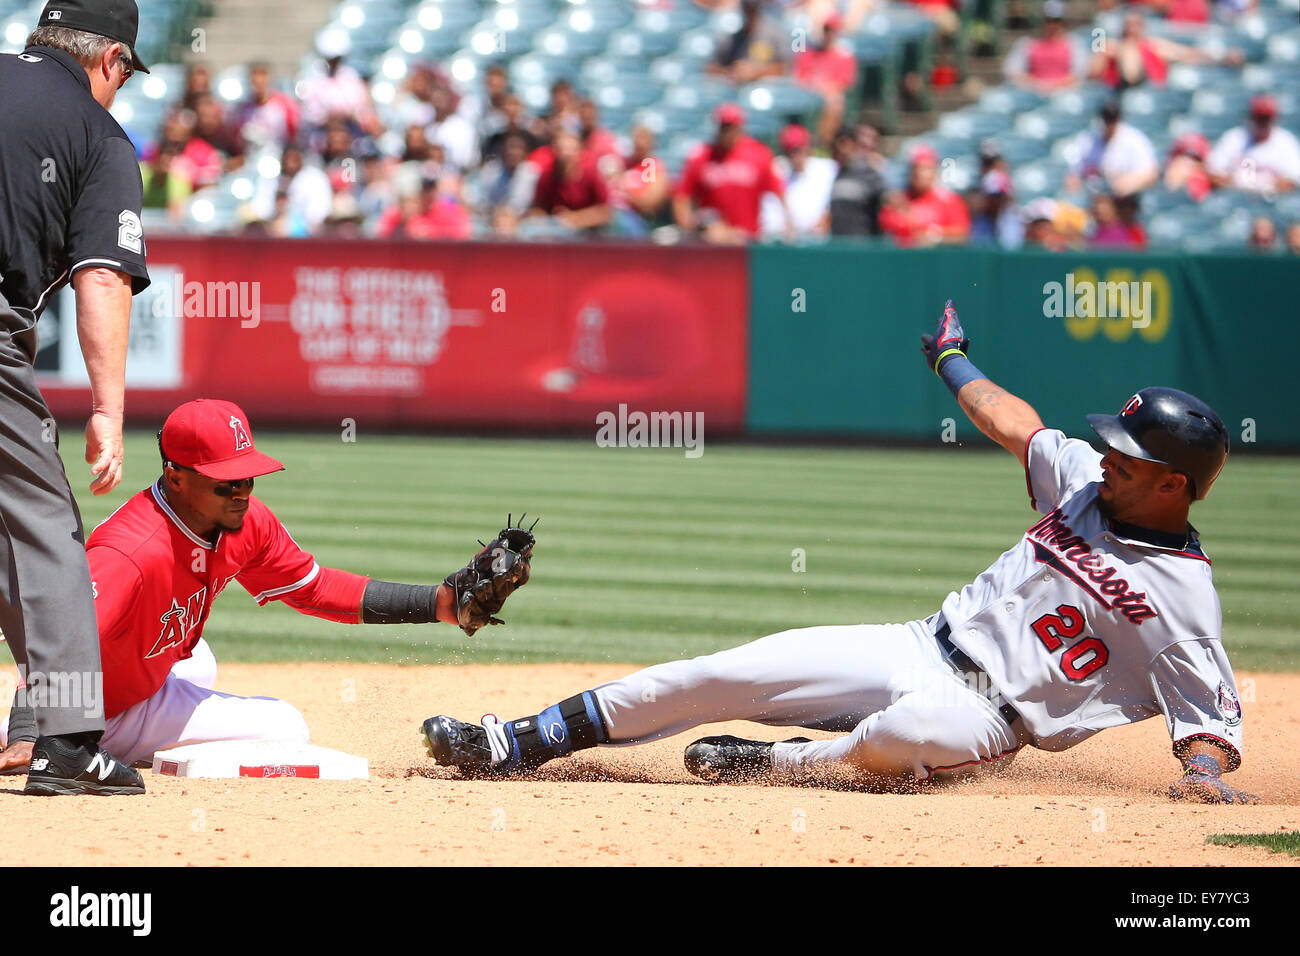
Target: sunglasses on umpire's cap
point(116, 19)
point(213, 437)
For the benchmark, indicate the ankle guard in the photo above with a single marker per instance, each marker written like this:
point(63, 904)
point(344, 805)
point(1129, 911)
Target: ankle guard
point(572, 724)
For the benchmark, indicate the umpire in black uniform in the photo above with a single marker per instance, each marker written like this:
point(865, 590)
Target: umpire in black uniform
point(70, 197)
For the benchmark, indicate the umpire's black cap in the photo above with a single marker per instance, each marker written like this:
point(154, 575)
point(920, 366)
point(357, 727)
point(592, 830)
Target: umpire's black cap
point(116, 19)
point(1172, 428)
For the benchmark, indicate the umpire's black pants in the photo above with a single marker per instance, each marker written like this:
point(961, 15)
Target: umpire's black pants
point(47, 611)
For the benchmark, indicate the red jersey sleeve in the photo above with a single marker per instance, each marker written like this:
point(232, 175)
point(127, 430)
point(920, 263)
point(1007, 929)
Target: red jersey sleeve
point(276, 566)
point(115, 582)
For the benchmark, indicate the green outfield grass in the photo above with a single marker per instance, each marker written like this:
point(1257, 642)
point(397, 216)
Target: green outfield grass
point(1288, 842)
point(644, 555)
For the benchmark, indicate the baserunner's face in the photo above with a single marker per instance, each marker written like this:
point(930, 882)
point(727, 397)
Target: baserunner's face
point(1130, 485)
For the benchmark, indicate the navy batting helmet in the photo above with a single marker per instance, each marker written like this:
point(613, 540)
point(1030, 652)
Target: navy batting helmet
point(1170, 427)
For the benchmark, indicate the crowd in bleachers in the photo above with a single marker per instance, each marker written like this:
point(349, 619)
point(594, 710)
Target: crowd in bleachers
point(1161, 122)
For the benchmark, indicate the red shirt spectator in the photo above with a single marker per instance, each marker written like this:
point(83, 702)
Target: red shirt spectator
point(926, 212)
point(730, 174)
point(831, 67)
point(427, 216)
point(578, 188)
point(1187, 11)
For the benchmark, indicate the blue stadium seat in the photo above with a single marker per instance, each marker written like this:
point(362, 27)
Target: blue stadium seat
point(1044, 124)
point(1043, 177)
point(560, 42)
point(699, 44)
point(1010, 100)
point(971, 123)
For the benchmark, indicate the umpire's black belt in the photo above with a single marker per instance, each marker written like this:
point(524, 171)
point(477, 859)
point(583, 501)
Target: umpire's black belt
point(967, 668)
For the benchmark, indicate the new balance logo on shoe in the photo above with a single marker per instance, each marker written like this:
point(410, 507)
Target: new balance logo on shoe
point(101, 766)
point(40, 763)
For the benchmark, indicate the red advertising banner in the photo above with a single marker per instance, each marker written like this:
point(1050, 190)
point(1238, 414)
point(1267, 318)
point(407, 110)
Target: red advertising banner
point(308, 332)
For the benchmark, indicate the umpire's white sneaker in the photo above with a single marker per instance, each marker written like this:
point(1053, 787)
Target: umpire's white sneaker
point(60, 766)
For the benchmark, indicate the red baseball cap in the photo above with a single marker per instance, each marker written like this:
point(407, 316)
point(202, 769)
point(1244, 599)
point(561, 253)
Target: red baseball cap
point(213, 437)
point(1263, 105)
point(925, 155)
point(795, 137)
point(729, 114)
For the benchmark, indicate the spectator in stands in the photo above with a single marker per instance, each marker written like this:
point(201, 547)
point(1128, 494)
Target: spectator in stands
point(432, 213)
point(285, 222)
point(514, 122)
point(413, 104)
point(858, 189)
point(1184, 11)
point(1136, 58)
point(198, 82)
point(563, 111)
point(995, 218)
point(374, 190)
point(339, 155)
point(1110, 228)
point(1259, 156)
point(926, 212)
point(496, 85)
point(1054, 225)
point(306, 187)
point(829, 69)
point(639, 193)
point(758, 49)
point(1051, 61)
point(502, 188)
point(806, 181)
point(1112, 155)
point(163, 187)
point(339, 90)
point(596, 140)
point(198, 161)
point(1293, 238)
point(867, 138)
point(267, 118)
point(1263, 235)
point(452, 131)
point(1185, 167)
point(572, 191)
point(721, 187)
point(210, 126)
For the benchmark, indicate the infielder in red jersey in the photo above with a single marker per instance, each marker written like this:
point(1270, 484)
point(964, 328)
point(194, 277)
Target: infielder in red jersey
point(160, 560)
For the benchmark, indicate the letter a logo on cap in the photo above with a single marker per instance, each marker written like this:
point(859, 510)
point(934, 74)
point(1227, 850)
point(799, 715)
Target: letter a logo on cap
point(242, 440)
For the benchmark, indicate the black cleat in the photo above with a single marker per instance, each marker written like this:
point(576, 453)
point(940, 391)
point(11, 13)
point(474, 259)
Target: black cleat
point(62, 767)
point(454, 743)
point(728, 759)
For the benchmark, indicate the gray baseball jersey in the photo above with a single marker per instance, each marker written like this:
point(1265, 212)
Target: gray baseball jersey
point(1088, 623)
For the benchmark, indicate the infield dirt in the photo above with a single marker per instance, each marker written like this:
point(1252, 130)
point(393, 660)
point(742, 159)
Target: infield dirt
point(1100, 803)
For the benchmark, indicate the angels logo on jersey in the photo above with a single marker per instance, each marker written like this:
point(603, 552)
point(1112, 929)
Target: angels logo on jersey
point(1132, 405)
point(242, 440)
point(179, 622)
point(1229, 706)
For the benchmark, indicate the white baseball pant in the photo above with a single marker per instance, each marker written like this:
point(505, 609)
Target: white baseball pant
point(903, 709)
point(186, 710)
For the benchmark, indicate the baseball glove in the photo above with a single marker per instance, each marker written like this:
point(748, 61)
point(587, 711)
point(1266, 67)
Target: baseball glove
point(495, 573)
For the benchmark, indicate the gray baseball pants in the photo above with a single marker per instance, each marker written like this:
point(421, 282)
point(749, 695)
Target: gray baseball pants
point(47, 610)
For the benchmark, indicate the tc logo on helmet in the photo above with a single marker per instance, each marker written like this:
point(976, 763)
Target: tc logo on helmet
point(1132, 405)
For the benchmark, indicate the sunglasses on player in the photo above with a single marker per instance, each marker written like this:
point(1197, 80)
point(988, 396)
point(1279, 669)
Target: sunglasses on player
point(222, 489)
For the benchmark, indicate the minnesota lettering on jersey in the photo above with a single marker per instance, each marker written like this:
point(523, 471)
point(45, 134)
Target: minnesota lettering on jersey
point(1057, 546)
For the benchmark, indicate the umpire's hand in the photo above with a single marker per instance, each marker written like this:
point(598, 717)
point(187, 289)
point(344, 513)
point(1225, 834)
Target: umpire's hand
point(104, 451)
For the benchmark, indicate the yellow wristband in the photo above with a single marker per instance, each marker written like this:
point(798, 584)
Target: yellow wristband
point(943, 355)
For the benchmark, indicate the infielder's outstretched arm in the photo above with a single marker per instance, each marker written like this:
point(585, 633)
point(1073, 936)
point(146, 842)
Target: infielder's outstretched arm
point(1008, 420)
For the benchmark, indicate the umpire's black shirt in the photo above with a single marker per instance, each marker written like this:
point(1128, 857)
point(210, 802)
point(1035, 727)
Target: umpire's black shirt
point(70, 190)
